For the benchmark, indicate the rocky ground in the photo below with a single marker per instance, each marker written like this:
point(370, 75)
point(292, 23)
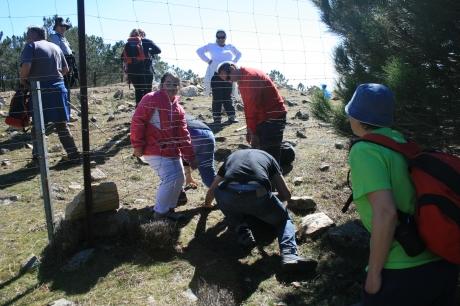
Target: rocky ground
point(170, 264)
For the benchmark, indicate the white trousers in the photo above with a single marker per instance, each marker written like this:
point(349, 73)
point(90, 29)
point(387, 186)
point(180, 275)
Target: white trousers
point(171, 173)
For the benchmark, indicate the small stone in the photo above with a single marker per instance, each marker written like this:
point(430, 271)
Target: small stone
point(305, 101)
point(6, 200)
point(92, 164)
point(5, 162)
point(3, 114)
point(324, 167)
point(61, 302)
point(290, 103)
point(339, 145)
point(140, 201)
point(118, 94)
point(93, 119)
point(110, 118)
point(303, 94)
point(121, 108)
point(190, 295)
point(98, 101)
point(189, 99)
point(302, 204)
point(74, 186)
point(302, 116)
point(296, 284)
point(29, 146)
point(14, 134)
point(30, 264)
point(151, 301)
point(297, 180)
point(326, 125)
point(300, 134)
point(97, 175)
point(239, 107)
point(221, 139)
point(78, 260)
point(4, 151)
point(55, 149)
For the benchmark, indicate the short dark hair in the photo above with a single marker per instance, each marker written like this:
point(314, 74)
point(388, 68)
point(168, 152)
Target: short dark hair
point(221, 31)
point(225, 67)
point(39, 31)
point(168, 74)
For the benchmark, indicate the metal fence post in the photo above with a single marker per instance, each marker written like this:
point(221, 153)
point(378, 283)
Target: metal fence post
point(42, 151)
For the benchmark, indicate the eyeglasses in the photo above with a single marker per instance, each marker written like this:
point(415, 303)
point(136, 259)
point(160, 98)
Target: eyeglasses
point(221, 37)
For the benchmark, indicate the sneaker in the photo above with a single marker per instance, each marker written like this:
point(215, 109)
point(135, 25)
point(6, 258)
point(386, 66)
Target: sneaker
point(141, 160)
point(171, 215)
point(245, 236)
point(295, 263)
point(232, 120)
point(182, 200)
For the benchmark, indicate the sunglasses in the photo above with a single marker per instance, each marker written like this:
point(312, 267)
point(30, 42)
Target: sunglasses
point(221, 37)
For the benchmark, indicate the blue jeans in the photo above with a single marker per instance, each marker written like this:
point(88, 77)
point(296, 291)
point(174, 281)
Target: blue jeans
point(203, 143)
point(268, 208)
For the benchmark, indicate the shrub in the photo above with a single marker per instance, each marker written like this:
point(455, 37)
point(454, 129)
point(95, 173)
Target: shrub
point(321, 107)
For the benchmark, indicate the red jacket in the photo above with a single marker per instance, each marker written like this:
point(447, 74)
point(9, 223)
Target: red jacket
point(159, 127)
point(261, 99)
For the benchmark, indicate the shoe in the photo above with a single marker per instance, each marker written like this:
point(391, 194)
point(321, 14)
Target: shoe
point(70, 160)
point(245, 237)
point(182, 200)
point(232, 120)
point(171, 215)
point(293, 263)
point(141, 160)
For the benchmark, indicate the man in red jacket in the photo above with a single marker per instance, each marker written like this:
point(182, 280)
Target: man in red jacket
point(263, 107)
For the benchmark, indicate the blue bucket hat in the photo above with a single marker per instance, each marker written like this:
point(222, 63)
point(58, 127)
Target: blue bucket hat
point(372, 104)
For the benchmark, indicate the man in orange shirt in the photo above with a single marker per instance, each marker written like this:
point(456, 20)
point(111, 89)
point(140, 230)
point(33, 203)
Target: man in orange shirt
point(263, 107)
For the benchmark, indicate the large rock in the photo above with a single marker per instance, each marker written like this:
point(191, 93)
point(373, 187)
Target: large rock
point(189, 91)
point(105, 198)
point(303, 204)
point(313, 225)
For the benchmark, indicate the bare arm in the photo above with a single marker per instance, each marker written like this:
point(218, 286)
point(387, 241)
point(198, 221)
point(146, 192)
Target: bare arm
point(24, 72)
point(384, 218)
point(210, 193)
point(283, 191)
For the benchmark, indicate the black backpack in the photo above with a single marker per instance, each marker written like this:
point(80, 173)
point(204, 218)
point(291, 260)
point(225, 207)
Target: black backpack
point(287, 156)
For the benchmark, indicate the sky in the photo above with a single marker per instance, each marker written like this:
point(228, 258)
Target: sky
point(285, 35)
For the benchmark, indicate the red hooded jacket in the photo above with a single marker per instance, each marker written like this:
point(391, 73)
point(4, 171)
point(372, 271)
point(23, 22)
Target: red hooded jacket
point(159, 127)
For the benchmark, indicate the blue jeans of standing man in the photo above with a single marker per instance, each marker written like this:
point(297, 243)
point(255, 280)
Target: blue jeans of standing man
point(236, 205)
point(203, 143)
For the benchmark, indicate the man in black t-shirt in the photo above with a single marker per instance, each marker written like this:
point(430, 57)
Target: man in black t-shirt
point(243, 187)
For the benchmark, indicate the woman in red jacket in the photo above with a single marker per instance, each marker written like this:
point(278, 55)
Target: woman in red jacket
point(159, 133)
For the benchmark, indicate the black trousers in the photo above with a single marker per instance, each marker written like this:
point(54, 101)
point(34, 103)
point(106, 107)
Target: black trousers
point(141, 76)
point(221, 96)
point(65, 137)
point(431, 284)
point(270, 134)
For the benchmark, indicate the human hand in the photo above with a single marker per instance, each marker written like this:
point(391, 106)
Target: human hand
point(255, 142)
point(373, 283)
point(193, 163)
point(138, 152)
point(248, 137)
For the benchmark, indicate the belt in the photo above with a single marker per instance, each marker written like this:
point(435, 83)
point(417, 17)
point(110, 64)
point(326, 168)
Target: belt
point(247, 189)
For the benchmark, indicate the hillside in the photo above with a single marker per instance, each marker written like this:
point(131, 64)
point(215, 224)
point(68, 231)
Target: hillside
point(202, 263)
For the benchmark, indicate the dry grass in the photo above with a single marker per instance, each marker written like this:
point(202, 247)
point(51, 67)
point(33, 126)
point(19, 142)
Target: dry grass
point(159, 261)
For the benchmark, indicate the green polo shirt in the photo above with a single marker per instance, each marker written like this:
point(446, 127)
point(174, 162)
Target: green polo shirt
point(374, 168)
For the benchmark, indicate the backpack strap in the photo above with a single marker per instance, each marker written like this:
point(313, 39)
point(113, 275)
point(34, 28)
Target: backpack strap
point(409, 149)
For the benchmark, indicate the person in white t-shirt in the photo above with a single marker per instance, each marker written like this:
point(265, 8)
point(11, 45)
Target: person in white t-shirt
point(214, 54)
